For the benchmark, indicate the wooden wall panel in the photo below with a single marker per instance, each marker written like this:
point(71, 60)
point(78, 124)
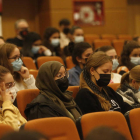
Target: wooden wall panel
point(17, 9)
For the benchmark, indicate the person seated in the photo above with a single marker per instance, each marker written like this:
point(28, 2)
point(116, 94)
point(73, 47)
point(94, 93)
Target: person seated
point(94, 94)
point(104, 133)
point(52, 41)
point(9, 114)
point(77, 34)
point(10, 58)
point(54, 100)
point(32, 46)
point(130, 87)
point(80, 53)
point(21, 29)
point(24, 135)
point(110, 51)
point(64, 25)
point(1, 40)
point(130, 57)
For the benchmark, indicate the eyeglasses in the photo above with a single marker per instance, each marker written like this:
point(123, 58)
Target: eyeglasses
point(17, 58)
point(60, 75)
point(9, 85)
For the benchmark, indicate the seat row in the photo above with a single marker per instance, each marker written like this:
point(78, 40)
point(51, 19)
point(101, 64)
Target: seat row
point(64, 128)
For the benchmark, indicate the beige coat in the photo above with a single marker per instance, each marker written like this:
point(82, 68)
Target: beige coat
point(9, 114)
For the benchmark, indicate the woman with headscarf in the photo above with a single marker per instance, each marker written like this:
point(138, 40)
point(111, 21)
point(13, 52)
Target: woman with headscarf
point(54, 100)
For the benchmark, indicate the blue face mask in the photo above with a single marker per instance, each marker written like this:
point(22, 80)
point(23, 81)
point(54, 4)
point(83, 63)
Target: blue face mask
point(115, 64)
point(35, 50)
point(55, 42)
point(17, 64)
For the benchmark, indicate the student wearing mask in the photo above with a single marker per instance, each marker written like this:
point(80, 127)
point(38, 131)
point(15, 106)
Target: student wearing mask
point(77, 34)
point(110, 51)
point(130, 57)
point(80, 53)
point(52, 41)
point(32, 46)
point(10, 58)
point(9, 114)
point(64, 26)
point(94, 94)
point(130, 87)
point(54, 100)
point(22, 29)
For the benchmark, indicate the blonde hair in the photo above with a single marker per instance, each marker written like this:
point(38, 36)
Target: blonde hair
point(96, 60)
point(133, 74)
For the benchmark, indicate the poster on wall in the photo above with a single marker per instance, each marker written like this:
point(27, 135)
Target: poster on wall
point(88, 12)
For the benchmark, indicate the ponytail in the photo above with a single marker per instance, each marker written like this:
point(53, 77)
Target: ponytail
point(125, 78)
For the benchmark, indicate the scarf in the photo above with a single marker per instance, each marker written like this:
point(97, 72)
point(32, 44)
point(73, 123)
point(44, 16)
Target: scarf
point(46, 84)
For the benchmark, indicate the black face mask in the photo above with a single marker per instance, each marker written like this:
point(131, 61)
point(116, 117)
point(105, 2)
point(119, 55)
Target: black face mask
point(104, 80)
point(62, 83)
point(66, 30)
point(24, 33)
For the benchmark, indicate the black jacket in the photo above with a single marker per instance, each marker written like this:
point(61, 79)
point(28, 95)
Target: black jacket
point(15, 41)
point(88, 102)
point(42, 107)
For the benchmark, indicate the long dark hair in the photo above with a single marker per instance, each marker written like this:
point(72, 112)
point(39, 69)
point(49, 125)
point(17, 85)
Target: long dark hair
point(77, 49)
point(28, 42)
point(47, 34)
point(127, 49)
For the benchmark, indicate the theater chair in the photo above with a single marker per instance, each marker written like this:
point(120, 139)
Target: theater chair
point(56, 128)
point(4, 129)
point(25, 97)
point(125, 37)
point(34, 73)
point(69, 62)
point(101, 42)
point(29, 63)
point(74, 89)
point(112, 119)
point(43, 59)
point(133, 119)
point(114, 86)
point(108, 36)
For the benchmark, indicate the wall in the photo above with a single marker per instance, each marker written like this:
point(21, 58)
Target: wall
point(134, 17)
point(17, 9)
point(115, 16)
point(43, 13)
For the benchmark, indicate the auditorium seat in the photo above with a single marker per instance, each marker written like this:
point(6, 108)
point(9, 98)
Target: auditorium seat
point(43, 59)
point(108, 36)
point(29, 63)
point(69, 62)
point(114, 86)
point(91, 37)
point(125, 36)
point(56, 128)
point(4, 129)
point(112, 119)
point(101, 42)
point(74, 89)
point(118, 45)
point(133, 118)
point(25, 97)
point(34, 73)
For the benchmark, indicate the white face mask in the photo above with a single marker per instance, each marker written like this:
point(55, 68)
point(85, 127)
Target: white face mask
point(14, 94)
point(135, 60)
point(55, 42)
point(78, 39)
